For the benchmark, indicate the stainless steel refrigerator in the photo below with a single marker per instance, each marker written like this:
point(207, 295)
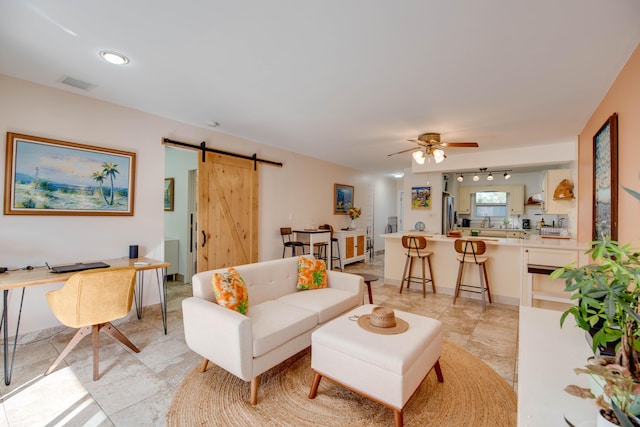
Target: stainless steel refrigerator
point(448, 214)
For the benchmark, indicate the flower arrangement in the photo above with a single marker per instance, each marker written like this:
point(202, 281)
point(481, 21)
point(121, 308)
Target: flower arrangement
point(354, 213)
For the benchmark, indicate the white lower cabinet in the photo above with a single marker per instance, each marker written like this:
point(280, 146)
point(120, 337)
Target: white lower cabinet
point(537, 287)
point(352, 245)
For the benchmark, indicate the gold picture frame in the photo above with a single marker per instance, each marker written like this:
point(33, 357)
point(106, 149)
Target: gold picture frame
point(45, 176)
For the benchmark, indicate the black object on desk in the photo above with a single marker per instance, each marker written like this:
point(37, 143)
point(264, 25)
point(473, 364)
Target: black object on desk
point(78, 267)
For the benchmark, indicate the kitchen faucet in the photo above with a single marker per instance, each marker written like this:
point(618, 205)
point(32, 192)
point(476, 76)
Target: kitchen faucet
point(484, 221)
point(560, 221)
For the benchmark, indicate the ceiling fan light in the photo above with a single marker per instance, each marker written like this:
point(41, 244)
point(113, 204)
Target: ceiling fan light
point(438, 155)
point(460, 178)
point(490, 177)
point(507, 175)
point(418, 156)
point(476, 177)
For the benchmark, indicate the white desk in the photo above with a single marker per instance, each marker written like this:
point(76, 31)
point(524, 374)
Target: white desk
point(313, 237)
point(547, 356)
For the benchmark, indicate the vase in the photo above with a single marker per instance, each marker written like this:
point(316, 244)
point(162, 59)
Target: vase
point(603, 422)
point(352, 224)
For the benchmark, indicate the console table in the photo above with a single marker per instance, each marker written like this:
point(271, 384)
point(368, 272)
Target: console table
point(547, 356)
point(352, 245)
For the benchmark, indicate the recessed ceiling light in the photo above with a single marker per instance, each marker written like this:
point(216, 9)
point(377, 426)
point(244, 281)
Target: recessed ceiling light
point(398, 175)
point(114, 57)
point(213, 124)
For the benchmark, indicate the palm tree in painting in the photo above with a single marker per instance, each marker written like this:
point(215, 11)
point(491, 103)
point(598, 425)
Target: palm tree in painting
point(110, 170)
point(99, 178)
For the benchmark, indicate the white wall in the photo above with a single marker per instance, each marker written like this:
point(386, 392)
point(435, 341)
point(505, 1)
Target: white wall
point(298, 194)
point(432, 217)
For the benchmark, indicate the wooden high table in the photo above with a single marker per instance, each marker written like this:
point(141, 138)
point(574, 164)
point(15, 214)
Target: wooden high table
point(41, 275)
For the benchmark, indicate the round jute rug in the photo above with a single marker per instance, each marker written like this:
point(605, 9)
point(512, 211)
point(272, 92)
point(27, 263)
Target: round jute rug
point(472, 394)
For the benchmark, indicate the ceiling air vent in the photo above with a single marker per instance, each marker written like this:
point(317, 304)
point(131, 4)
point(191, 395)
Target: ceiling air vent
point(78, 84)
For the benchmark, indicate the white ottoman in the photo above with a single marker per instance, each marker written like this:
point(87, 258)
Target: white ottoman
point(385, 368)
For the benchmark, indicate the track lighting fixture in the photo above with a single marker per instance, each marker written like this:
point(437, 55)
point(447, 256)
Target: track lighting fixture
point(483, 171)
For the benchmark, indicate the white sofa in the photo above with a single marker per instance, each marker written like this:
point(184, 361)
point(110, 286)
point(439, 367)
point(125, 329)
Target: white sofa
point(279, 321)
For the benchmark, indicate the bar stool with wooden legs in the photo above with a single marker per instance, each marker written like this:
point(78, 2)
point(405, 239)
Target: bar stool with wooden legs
point(472, 251)
point(416, 248)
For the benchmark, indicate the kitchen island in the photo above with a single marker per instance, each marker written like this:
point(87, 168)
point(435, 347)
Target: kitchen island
point(509, 278)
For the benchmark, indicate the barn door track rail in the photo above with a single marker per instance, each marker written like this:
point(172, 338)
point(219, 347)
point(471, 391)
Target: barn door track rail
point(202, 147)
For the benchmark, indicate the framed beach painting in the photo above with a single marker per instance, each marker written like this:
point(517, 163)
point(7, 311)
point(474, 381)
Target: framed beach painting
point(49, 177)
point(168, 194)
point(342, 198)
point(605, 180)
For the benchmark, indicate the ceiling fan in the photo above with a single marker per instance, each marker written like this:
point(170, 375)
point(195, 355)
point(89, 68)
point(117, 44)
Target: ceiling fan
point(430, 145)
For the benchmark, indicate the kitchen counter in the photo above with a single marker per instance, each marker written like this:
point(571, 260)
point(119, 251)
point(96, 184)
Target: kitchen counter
point(506, 268)
point(532, 241)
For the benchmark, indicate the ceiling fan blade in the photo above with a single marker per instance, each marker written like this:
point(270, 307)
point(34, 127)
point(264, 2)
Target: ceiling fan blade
point(403, 151)
point(460, 144)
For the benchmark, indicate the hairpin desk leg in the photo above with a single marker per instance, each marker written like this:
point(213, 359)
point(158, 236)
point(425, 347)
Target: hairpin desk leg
point(8, 367)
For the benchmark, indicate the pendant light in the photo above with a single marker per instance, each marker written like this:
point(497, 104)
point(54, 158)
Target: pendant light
point(460, 178)
point(490, 177)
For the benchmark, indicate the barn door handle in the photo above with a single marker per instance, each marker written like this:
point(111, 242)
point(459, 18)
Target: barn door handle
point(204, 238)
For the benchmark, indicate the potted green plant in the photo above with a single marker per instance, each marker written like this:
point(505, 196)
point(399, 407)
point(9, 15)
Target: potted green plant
point(620, 398)
point(608, 294)
point(608, 291)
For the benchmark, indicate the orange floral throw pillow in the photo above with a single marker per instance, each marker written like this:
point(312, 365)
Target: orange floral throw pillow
point(230, 291)
point(312, 274)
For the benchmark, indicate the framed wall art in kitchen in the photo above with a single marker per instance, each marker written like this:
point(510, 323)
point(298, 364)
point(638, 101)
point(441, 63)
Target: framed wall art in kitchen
point(49, 177)
point(605, 180)
point(420, 197)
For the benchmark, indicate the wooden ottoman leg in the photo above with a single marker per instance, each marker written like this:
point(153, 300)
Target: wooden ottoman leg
point(255, 382)
point(438, 371)
point(397, 417)
point(314, 387)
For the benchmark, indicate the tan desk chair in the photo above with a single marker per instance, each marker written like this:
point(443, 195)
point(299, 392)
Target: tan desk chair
point(416, 247)
point(90, 300)
point(471, 252)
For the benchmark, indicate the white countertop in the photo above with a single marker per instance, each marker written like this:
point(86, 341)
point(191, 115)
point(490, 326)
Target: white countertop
point(529, 242)
point(547, 357)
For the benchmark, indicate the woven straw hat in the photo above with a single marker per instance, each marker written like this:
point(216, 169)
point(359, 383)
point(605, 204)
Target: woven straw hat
point(382, 320)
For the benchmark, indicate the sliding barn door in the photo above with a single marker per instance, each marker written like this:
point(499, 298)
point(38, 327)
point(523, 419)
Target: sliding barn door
point(227, 212)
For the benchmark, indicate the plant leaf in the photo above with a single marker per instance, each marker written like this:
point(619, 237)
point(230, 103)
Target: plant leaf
point(622, 417)
point(633, 193)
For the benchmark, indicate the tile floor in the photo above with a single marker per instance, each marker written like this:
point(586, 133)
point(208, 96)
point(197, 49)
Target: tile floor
point(135, 389)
